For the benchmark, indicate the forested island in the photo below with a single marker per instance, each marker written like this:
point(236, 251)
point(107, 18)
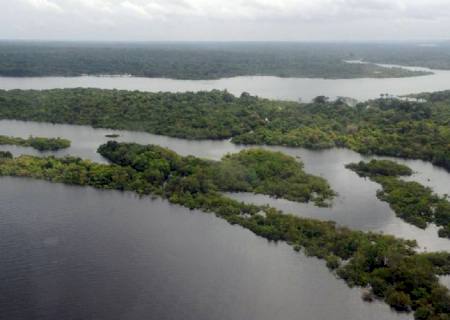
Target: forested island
point(187, 60)
point(38, 143)
point(391, 127)
point(390, 267)
point(410, 200)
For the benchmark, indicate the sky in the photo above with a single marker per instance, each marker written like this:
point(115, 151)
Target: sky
point(225, 20)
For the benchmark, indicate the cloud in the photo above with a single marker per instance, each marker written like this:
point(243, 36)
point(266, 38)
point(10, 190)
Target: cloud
point(258, 9)
point(103, 6)
point(135, 8)
point(240, 19)
point(44, 5)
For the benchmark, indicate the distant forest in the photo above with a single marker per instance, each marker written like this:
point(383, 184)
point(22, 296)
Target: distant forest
point(212, 60)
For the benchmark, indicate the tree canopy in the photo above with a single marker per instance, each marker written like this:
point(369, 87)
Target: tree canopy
point(38, 143)
point(184, 61)
point(384, 127)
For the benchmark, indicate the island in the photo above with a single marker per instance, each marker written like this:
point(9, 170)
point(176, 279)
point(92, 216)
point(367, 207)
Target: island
point(389, 267)
point(387, 126)
point(38, 143)
point(253, 170)
point(411, 201)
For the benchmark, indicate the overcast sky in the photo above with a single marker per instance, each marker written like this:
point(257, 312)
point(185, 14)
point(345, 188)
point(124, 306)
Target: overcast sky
point(286, 20)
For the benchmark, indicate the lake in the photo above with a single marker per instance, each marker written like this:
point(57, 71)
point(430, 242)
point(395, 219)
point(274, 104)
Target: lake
point(263, 86)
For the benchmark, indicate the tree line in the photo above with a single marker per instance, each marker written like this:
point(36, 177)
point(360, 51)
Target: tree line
point(383, 126)
point(38, 143)
point(183, 61)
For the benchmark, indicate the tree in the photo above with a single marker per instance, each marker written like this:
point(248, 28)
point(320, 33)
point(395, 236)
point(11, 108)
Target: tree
point(321, 99)
point(399, 300)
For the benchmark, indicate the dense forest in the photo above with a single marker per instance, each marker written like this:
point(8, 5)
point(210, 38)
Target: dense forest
point(38, 143)
point(185, 60)
point(390, 267)
point(389, 127)
point(410, 200)
point(253, 170)
point(376, 168)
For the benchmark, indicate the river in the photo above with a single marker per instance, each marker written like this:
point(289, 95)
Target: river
point(73, 252)
point(263, 86)
point(78, 253)
point(355, 206)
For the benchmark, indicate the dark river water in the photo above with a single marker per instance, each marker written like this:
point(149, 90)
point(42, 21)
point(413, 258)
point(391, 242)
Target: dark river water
point(78, 253)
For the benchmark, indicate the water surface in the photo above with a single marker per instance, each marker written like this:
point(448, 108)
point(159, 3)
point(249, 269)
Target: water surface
point(263, 86)
point(78, 253)
point(355, 206)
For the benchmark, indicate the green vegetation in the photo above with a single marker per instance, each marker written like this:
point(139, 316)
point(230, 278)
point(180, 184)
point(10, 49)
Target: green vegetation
point(185, 60)
point(272, 173)
point(6, 155)
point(38, 143)
point(380, 168)
point(436, 55)
point(215, 114)
point(440, 261)
point(384, 126)
point(254, 170)
point(410, 200)
point(390, 267)
point(112, 135)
